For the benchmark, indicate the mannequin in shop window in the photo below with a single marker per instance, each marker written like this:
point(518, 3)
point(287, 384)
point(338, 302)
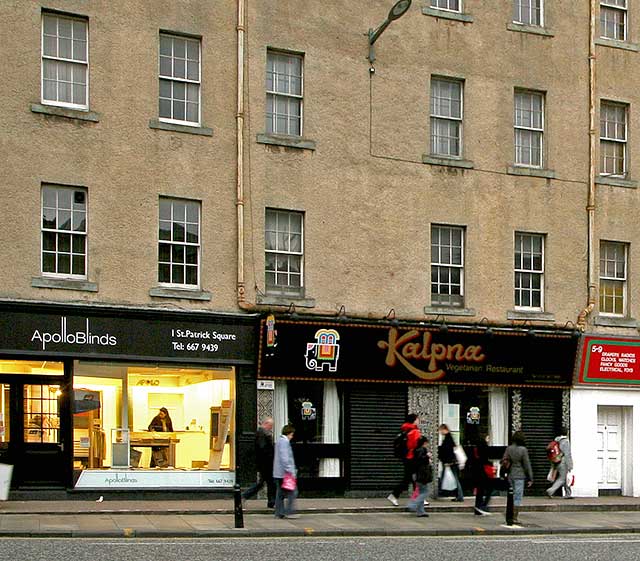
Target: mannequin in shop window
point(160, 423)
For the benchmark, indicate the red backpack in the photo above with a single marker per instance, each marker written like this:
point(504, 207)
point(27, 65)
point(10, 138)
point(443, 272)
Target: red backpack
point(553, 452)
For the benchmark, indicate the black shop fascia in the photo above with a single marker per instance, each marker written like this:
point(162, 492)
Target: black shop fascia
point(361, 372)
point(81, 389)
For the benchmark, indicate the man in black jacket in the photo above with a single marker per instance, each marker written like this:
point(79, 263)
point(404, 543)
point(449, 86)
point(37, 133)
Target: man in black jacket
point(264, 463)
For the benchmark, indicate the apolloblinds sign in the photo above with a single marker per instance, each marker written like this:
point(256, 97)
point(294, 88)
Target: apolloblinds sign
point(610, 361)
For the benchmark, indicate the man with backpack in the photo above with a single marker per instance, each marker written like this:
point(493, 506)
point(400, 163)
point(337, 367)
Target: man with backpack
point(559, 454)
point(404, 446)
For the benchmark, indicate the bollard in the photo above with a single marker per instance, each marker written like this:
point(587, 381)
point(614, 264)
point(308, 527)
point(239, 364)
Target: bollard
point(509, 513)
point(237, 507)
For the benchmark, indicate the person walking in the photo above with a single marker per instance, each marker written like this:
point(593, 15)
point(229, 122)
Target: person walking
point(447, 455)
point(423, 477)
point(284, 467)
point(481, 472)
point(263, 448)
point(410, 434)
point(562, 462)
point(516, 460)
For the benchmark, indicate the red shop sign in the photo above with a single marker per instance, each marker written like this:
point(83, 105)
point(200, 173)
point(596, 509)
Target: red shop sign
point(610, 361)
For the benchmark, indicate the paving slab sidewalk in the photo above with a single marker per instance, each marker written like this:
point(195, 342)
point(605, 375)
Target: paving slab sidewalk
point(397, 523)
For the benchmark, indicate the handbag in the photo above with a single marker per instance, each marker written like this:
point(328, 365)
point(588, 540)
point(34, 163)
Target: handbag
point(552, 475)
point(289, 483)
point(448, 480)
point(461, 456)
point(489, 471)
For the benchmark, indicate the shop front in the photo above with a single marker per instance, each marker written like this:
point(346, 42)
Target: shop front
point(101, 398)
point(605, 412)
point(347, 386)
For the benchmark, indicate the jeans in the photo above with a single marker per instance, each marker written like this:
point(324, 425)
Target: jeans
point(561, 481)
point(262, 480)
point(484, 490)
point(518, 491)
point(281, 495)
point(407, 478)
point(456, 473)
point(417, 505)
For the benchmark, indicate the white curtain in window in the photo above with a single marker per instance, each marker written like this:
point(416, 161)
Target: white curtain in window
point(330, 467)
point(280, 408)
point(498, 417)
point(444, 402)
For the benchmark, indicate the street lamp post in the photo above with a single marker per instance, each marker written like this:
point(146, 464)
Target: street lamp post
point(398, 10)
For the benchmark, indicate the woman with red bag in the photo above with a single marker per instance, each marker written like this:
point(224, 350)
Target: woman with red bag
point(482, 474)
point(284, 474)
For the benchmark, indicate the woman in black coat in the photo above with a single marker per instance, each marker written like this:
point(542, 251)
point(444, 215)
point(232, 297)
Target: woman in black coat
point(160, 423)
point(481, 473)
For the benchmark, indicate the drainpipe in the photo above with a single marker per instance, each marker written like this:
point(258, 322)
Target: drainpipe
point(591, 200)
point(240, 29)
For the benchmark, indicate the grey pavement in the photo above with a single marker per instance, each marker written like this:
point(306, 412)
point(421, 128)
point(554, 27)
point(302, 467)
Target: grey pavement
point(477, 548)
point(318, 524)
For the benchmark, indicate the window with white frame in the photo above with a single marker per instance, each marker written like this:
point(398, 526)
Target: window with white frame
point(528, 12)
point(284, 252)
point(179, 242)
point(449, 5)
point(613, 19)
point(65, 61)
point(613, 139)
point(284, 93)
point(447, 266)
point(179, 69)
point(64, 231)
point(446, 117)
point(529, 270)
point(528, 122)
point(613, 278)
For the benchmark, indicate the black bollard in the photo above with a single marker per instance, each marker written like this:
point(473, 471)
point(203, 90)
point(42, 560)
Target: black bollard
point(509, 514)
point(237, 507)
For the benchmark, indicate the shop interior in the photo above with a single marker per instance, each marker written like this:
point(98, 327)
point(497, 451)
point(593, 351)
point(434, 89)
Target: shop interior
point(194, 431)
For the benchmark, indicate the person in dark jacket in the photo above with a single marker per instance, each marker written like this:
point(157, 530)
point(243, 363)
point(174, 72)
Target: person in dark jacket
point(447, 455)
point(264, 463)
point(480, 469)
point(160, 423)
point(410, 427)
point(423, 476)
point(516, 456)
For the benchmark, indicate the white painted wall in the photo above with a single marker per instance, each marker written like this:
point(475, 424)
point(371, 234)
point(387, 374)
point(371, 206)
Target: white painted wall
point(584, 442)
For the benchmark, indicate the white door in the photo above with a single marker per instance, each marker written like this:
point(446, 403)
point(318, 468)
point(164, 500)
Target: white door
point(610, 447)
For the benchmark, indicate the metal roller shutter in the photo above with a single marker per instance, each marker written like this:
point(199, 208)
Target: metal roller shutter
point(541, 419)
point(376, 414)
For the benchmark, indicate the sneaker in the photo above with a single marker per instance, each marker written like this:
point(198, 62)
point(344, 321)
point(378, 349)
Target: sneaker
point(480, 512)
point(392, 500)
point(292, 516)
point(426, 503)
point(423, 515)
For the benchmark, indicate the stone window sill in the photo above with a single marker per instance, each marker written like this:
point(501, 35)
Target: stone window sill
point(161, 125)
point(616, 182)
point(65, 112)
point(180, 293)
point(616, 44)
point(531, 315)
point(446, 14)
point(615, 321)
point(450, 162)
point(286, 141)
point(532, 172)
point(444, 311)
point(278, 300)
point(534, 29)
point(64, 284)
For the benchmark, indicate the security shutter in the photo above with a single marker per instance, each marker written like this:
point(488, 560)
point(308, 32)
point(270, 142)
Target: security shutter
point(541, 419)
point(376, 413)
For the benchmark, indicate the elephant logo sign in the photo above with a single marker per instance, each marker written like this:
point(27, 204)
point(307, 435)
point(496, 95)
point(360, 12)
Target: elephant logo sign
point(324, 352)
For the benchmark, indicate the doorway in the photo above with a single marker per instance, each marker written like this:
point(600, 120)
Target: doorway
point(611, 449)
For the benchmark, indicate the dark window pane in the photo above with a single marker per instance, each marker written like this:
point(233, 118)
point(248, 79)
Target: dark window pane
point(192, 255)
point(177, 254)
point(48, 262)
point(164, 273)
point(64, 263)
point(78, 265)
point(165, 230)
point(48, 241)
point(64, 243)
point(78, 244)
point(177, 275)
point(178, 232)
point(164, 252)
point(192, 275)
point(192, 233)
